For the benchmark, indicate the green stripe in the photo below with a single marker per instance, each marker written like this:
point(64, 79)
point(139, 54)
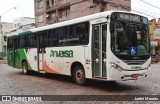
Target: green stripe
point(25, 33)
point(18, 33)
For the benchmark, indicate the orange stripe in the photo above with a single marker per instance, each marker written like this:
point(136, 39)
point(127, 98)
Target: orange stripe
point(50, 70)
point(29, 49)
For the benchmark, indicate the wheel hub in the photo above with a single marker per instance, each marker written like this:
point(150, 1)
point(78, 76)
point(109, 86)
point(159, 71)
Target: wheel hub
point(80, 75)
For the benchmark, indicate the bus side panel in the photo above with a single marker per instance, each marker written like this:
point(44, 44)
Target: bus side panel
point(31, 55)
point(60, 59)
point(10, 57)
point(20, 56)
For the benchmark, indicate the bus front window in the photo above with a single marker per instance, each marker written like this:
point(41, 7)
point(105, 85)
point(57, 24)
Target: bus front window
point(127, 36)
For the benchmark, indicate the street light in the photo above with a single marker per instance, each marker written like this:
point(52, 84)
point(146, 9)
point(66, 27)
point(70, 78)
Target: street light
point(1, 29)
point(3, 15)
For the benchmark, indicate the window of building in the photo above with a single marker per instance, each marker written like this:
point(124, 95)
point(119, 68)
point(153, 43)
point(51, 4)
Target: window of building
point(52, 15)
point(40, 18)
point(52, 2)
point(112, 7)
point(18, 25)
point(124, 9)
point(40, 4)
point(5, 38)
point(66, 13)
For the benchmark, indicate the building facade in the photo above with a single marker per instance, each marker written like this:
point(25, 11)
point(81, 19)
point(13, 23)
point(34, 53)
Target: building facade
point(53, 11)
point(19, 25)
point(5, 28)
point(157, 37)
point(24, 24)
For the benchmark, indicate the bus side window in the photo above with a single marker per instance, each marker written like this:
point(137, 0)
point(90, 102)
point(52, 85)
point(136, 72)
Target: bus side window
point(55, 37)
point(83, 32)
point(79, 34)
point(31, 40)
point(50, 38)
point(10, 43)
point(63, 36)
point(22, 41)
point(45, 40)
point(73, 37)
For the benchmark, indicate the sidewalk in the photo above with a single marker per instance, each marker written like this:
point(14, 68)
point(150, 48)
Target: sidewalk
point(3, 61)
point(158, 63)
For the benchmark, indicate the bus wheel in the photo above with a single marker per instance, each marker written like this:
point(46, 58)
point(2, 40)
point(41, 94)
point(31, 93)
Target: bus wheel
point(79, 75)
point(25, 68)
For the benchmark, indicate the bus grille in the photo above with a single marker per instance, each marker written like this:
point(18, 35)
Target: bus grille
point(134, 62)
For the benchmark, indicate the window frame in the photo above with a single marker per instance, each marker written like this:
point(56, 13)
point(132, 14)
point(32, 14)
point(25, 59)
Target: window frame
point(39, 4)
point(40, 18)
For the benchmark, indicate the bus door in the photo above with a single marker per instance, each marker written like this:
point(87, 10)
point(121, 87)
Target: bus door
point(42, 40)
point(15, 53)
point(12, 49)
point(99, 50)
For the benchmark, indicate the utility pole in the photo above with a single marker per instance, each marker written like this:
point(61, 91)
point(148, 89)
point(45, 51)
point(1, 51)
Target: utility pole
point(1, 29)
point(3, 15)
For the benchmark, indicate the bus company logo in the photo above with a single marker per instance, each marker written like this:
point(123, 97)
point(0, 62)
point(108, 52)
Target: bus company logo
point(62, 53)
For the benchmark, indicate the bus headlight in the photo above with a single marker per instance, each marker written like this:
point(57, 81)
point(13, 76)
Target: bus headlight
point(116, 66)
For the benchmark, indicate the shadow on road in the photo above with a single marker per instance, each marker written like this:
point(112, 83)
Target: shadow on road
point(110, 86)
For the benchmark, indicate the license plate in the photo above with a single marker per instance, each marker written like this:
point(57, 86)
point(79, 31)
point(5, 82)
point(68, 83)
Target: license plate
point(135, 75)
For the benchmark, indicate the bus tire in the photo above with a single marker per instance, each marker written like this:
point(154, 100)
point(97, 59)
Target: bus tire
point(25, 68)
point(79, 75)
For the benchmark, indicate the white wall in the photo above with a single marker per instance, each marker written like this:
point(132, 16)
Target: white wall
point(23, 21)
point(6, 27)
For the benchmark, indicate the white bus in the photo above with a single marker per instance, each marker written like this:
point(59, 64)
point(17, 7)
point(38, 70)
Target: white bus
point(109, 46)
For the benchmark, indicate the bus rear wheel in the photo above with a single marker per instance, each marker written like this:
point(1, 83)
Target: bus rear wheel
point(25, 68)
point(79, 75)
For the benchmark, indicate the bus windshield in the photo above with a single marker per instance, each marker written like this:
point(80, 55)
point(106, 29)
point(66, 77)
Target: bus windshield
point(130, 39)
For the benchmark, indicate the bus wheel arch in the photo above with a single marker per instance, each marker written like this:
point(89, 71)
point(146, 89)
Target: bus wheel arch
point(78, 73)
point(25, 67)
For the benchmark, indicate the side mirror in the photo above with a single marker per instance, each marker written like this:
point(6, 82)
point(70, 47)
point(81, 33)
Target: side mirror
point(112, 27)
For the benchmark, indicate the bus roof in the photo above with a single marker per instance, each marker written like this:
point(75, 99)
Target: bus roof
point(12, 34)
point(78, 20)
point(69, 22)
point(18, 33)
point(73, 21)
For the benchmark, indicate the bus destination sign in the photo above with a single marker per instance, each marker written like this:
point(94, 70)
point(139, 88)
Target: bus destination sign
point(132, 17)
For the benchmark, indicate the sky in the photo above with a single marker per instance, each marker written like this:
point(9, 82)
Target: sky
point(25, 8)
point(149, 11)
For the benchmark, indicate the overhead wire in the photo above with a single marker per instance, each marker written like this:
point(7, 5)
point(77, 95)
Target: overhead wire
point(149, 13)
point(146, 14)
point(150, 4)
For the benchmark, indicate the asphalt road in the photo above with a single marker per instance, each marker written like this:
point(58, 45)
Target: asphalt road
point(13, 82)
